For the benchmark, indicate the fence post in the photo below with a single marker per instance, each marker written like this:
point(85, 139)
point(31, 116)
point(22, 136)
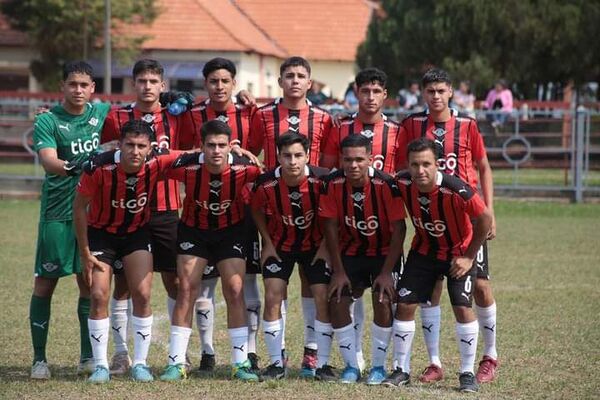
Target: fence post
point(579, 150)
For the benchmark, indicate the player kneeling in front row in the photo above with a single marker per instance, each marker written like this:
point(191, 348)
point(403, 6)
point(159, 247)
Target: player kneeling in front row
point(289, 195)
point(445, 242)
point(211, 228)
point(364, 230)
point(115, 227)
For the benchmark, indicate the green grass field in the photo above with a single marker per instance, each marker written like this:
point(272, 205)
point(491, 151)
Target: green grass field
point(546, 276)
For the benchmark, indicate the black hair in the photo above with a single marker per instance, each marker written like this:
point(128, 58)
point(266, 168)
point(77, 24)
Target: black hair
point(147, 65)
point(421, 144)
point(294, 61)
point(214, 127)
point(290, 138)
point(356, 141)
point(219, 63)
point(77, 67)
point(436, 75)
point(138, 127)
point(370, 75)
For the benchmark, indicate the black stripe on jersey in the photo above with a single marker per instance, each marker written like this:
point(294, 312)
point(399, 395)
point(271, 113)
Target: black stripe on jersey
point(345, 206)
point(275, 124)
point(359, 215)
point(281, 210)
point(423, 126)
point(411, 209)
point(447, 235)
point(233, 174)
point(214, 197)
point(457, 124)
point(461, 234)
point(113, 195)
point(240, 126)
point(297, 212)
point(375, 205)
point(314, 205)
point(311, 118)
point(384, 142)
point(197, 187)
point(204, 115)
point(426, 219)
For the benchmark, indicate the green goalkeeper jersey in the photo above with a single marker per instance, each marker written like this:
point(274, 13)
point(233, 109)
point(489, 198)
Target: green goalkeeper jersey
point(74, 137)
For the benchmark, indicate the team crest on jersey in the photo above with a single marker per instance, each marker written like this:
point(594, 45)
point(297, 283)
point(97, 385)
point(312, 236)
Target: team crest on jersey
point(215, 184)
point(295, 196)
point(93, 121)
point(294, 120)
point(358, 197)
point(223, 118)
point(367, 133)
point(274, 268)
point(50, 267)
point(439, 132)
point(148, 118)
point(424, 201)
point(130, 182)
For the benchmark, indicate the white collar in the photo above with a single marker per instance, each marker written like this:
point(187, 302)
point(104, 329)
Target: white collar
point(278, 171)
point(229, 158)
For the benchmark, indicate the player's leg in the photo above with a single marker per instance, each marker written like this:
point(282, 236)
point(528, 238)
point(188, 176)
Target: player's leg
point(485, 305)
point(251, 291)
point(205, 317)
point(308, 316)
point(431, 318)
point(98, 322)
point(357, 312)
point(120, 311)
point(39, 321)
point(86, 360)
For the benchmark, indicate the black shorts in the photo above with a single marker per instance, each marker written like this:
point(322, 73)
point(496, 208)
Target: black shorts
point(420, 274)
point(252, 245)
point(163, 233)
point(110, 248)
point(211, 245)
point(315, 274)
point(362, 271)
point(481, 262)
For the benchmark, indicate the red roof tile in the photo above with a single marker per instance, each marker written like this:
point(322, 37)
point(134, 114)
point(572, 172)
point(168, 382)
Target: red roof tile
point(9, 36)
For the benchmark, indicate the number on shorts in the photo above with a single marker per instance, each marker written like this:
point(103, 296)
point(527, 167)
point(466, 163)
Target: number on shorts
point(468, 284)
point(480, 255)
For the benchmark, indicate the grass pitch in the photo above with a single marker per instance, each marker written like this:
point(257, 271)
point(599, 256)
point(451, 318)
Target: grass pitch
point(546, 278)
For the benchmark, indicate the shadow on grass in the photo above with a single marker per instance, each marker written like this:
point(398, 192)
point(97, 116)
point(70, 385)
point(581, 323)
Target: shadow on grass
point(21, 374)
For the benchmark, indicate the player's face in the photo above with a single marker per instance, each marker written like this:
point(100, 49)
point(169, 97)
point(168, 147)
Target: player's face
point(219, 85)
point(147, 86)
point(293, 159)
point(216, 150)
point(437, 95)
point(77, 89)
point(370, 97)
point(134, 150)
point(422, 167)
point(356, 162)
point(295, 82)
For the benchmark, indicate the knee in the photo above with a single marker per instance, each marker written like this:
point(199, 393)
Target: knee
point(464, 314)
point(483, 293)
point(405, 312)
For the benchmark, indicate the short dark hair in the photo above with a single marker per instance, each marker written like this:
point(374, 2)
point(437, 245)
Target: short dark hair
point(147, 65)
point(138, 127)
point(219, 63)
point(290, 138)
point(294, 61)
point(370, 75)
point(421, 144)
point(356, 141)
point(214, 127)
point(77, 67)
point(436, 75)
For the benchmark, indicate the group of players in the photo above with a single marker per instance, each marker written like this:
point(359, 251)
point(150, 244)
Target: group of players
point(330, 195)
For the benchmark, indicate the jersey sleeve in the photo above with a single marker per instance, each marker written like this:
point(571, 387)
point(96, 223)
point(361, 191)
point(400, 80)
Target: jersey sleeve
point(477, 146)
point(88, 184)
point(327, 131)
point(401, 161)
point(111, 129)
point(252, 172)
point(43, 132)
point(189, 135)
point(165, 161)
point(331, 144)
point(257, 134)
point(327, 203)
point(259, 199)
point(394, 203)
point(474, 206)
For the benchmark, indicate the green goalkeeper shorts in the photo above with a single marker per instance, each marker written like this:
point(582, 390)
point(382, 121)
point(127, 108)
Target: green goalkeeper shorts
point(57, 254)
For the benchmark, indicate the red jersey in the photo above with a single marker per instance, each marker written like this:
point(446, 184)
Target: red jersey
point(169, 134)
point(291, 209)
point(213, 201)
point(119, 202)
point(384, 137)
point(273, 119)
point(442, 218)
point(459, 143)
point(364, 214)
point(238, 117)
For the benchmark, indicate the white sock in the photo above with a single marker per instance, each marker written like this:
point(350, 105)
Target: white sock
point(253, 306)
point(205, 315)
point(142, 328)
point(357, 312)
point(239, 344)
point(324, 333)
point(309, 312)
point(170, 307)
point(284, 307)
point(178, 344)
point(487, 322)
point(466, 336)
point(118, 322)
point(99, 339)
point(404, 332)
point(431, 318)
point(273, 336)
point(345, 338)
point(380, 340)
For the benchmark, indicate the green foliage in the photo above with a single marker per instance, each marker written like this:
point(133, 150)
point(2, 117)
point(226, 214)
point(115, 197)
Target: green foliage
point(523, 41)
point(63, 30)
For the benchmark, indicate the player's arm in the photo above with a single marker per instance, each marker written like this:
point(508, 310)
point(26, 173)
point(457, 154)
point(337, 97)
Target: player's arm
point(88, 261)
point(268, 248)
point(461, 265)
point(384, 280)
point(51, 163)
point(339, 279)
point(487, 189)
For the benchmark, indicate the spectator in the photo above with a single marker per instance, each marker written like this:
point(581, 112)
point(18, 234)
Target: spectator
point(350, 99)
point(464, 100)
point(500, 101)
point(316, 95)
point(410, 99)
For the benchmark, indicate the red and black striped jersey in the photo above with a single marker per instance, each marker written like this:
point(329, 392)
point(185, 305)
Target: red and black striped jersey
point(291, 210)
point(459, 143)
point(442, 218)
point(273, 119)
point(237, 116)
point(169, 134)
point(120, 201)
point(384, 136)
point(213, 201)
point(364, 214)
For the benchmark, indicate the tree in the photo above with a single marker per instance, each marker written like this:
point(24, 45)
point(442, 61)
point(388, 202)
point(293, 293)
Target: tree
point(523, 41)
point(63, 30)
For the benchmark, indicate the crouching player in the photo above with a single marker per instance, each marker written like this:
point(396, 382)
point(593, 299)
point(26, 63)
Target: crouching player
point(364, 230)
point(115, 227)
point(211, 228)
point(289, 196)
point(441, 207)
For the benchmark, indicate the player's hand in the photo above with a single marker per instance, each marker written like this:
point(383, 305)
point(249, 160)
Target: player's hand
point(41, 110)
point(339, 280)
point(238, 151)
point(492, 233)
point(460, 266)
point(268, 251)
point(245, 98)
point(385, 283)
point(72, 168)
point(89, 263)
point(338, 117)
point(186, 159)
point(321, 254)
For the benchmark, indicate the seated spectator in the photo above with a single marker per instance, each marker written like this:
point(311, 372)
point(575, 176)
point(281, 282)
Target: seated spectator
point(316, 95)
point(410, 99)
point(350, 99)
point(500, 101)
point(464, 100)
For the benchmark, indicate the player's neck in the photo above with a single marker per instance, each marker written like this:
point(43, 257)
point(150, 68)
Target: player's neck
point(293, 103)
point(146, 107)
point(131, 169)
point(74, 109)
point(216, 169)
point(221, 106)
point(441, 116)
point(358, 183)
point(291, 180)
point(368, 118)
point(426, 188)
